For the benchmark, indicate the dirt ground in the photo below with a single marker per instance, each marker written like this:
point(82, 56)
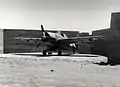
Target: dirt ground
point(57, 71)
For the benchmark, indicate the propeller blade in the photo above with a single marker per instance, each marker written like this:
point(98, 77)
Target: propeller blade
point(43, 31)
point(38, 44)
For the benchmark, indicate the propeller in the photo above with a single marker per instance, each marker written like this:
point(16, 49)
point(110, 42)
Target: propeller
point(43, 37)
point(38, 44)
point(44, 34)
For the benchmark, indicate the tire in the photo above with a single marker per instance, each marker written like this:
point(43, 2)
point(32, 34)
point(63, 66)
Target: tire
point(59, 53)
point(44, 52)
point(73, 51)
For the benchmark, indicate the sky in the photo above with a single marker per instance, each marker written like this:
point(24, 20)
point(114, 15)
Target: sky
point(81, 15)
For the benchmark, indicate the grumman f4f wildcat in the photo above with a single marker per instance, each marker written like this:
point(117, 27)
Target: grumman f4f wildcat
point(57, 42)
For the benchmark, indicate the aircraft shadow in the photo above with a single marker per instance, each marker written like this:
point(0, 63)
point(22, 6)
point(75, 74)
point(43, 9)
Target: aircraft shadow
point(74, 55)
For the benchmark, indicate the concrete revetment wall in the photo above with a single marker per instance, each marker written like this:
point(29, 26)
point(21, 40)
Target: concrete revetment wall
point(12, 45)
point(115, 24)
point(1, 41)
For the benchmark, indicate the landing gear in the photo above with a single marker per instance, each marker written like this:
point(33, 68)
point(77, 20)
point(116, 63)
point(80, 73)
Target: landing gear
point(70, 53)
point(59, 53)
point(44, 52)
point(49, 53)
point(73, 51)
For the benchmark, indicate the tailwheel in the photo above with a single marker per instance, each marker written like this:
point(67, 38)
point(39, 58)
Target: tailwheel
point(44, 52)
point(49, 53)
point(59, 53)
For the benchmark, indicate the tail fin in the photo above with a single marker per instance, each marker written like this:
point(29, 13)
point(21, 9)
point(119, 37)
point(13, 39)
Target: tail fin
point(59, 32)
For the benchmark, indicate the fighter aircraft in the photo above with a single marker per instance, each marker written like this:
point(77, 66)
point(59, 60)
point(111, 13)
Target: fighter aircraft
point(56, 42)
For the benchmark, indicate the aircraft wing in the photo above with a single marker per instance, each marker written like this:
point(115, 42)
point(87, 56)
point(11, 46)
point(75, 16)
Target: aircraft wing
point(27, 39)
point(85, 39)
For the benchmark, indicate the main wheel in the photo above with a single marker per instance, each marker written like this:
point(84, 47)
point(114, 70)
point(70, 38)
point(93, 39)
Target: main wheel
point(73, 51)
point(44, 52)
point(59, 53)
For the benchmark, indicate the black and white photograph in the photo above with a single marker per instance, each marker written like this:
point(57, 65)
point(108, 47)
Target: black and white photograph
point(59, 43)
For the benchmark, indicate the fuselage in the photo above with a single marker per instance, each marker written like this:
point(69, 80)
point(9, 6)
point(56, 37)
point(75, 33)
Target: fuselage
point(57, 36)
point(52, 43)
point(55, 42)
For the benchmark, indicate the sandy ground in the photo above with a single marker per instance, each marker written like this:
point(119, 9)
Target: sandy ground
point(57, 71)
